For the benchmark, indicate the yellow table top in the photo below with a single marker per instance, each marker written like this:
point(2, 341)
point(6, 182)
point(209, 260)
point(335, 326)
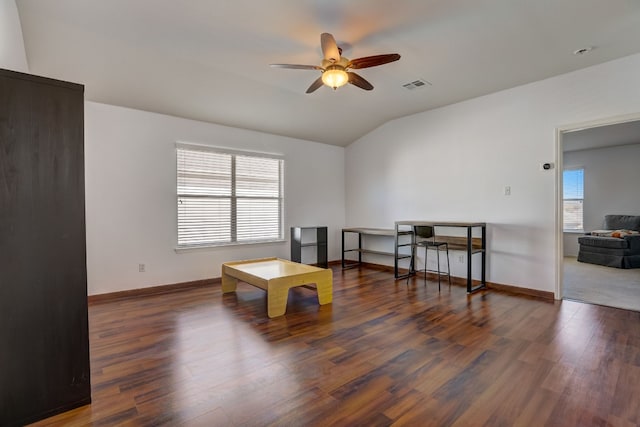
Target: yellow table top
point(271, 268)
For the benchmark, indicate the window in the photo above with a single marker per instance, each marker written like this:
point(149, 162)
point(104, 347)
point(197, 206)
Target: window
point(227, 197)
point(573, 199)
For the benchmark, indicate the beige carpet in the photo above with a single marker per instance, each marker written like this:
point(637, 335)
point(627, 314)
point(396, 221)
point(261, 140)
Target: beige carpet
point(596, 284)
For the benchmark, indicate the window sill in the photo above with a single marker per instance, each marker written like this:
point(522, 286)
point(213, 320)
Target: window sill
point(573, 231)
point(181, 249)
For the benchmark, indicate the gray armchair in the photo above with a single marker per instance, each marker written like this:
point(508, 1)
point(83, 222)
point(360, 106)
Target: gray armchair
point(613, 251)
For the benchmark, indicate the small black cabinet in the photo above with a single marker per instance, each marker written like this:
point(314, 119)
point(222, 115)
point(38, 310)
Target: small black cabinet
point(320, 243)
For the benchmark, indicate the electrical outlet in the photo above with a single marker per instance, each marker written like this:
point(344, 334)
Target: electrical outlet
point(461, 258)
point(507, 190)
point(141, 268)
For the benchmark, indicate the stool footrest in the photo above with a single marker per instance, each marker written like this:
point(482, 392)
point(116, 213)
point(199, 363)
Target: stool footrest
point(435, 245)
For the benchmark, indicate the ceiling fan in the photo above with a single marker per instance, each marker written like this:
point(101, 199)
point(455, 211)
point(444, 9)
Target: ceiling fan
point(335, 68)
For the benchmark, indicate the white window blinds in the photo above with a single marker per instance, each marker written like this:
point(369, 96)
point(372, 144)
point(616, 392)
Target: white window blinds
point(226, 198)
point(573, 199)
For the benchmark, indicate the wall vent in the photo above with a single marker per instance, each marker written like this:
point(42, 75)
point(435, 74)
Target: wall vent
point(416, 84)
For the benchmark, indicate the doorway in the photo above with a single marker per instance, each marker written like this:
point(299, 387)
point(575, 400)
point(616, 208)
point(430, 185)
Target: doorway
point(605, 151)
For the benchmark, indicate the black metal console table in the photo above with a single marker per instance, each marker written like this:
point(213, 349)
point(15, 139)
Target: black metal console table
point(466, 244)
point(360, 231)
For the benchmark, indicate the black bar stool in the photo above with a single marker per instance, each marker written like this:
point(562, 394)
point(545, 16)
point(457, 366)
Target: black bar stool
point(428, 241)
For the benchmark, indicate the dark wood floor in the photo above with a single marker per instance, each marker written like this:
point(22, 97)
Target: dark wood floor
point(383, 353)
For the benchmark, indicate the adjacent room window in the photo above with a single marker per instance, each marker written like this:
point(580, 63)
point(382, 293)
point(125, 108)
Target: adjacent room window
point(573, 198)
point(228, 197)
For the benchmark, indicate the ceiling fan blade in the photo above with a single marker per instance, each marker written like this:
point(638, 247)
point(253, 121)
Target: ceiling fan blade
point(329, 47)
point(356, 80)
point(315, 85)
point(372, 61)
point(296, 67)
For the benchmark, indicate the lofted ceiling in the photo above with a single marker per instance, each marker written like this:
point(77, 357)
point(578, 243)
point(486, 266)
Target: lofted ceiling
point(209, 59)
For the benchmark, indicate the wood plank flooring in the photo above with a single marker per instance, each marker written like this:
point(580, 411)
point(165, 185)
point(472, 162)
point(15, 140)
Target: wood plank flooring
point(382, 354)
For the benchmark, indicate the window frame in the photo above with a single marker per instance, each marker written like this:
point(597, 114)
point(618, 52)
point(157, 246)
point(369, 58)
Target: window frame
point(574, 199)
point(232, 197)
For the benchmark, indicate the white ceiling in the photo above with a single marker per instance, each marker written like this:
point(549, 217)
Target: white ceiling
point(602, 136)
point(208, 59)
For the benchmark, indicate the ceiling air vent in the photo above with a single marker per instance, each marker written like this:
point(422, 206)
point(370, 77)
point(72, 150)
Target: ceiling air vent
point(416, 84)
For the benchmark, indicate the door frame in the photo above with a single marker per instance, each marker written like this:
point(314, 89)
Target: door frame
point(560, 131)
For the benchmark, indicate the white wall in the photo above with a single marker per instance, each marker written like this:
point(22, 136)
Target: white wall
point(570, 243)
point(453, 163)
point(131, 201)
point(130, 187)
point(611, 185)
point(12, 53)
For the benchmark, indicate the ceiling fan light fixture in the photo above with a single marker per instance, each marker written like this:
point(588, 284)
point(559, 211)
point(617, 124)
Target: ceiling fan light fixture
point(334, 66)
point(335, 76)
